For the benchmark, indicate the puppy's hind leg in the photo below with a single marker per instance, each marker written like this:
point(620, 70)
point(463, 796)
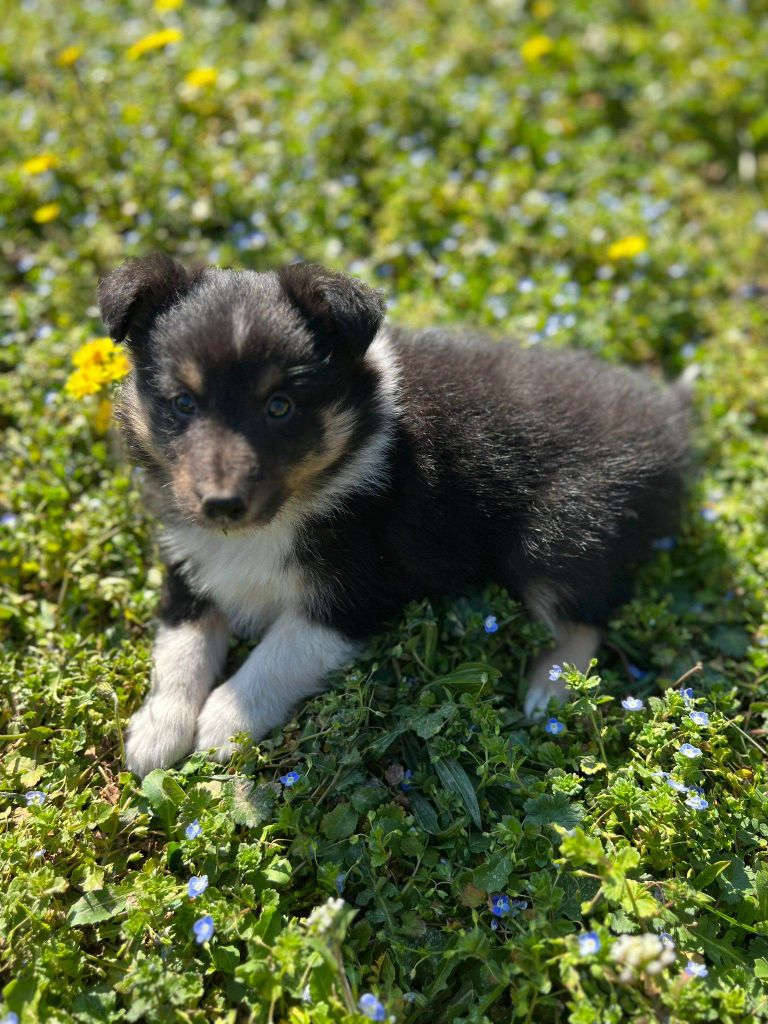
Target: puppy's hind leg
point(575, 644)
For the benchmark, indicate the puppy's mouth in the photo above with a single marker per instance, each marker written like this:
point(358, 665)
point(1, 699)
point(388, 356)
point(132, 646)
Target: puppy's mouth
point(235, 510)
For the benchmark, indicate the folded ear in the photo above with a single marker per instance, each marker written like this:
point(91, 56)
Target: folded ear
point(342, 312)
point(137, 292)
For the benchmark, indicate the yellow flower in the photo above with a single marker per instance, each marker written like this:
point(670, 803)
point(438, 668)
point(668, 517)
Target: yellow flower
point(627, 248)
point(154, 41)
point(199, 78)
point(161, 6)
point(47, 213)
point(87, 380)
point(39, 164)
point(69, 56)
point(535, 48)
point(118, 366)
point(102, 417)
point(542, 9)
point(95, 353)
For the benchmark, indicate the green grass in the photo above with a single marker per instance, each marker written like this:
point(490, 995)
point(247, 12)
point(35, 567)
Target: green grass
point(410, 143)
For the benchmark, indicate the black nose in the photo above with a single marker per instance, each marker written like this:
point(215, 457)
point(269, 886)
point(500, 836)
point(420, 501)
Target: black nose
point(224, 506)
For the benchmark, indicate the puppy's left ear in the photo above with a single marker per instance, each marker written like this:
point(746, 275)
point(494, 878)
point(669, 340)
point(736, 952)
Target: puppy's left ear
point(342, 312)
point(133, 296)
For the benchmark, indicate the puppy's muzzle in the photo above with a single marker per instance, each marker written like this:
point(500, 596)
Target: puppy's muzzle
point(224, 508)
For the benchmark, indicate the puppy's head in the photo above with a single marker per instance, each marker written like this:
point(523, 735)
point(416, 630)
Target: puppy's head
point(247, 389)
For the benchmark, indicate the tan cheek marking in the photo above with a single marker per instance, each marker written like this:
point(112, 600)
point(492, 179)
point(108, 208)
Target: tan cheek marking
point(131, 411)
point(338, 427)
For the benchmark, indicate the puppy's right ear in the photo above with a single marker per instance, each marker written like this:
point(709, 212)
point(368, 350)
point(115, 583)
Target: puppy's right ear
point(133, 296)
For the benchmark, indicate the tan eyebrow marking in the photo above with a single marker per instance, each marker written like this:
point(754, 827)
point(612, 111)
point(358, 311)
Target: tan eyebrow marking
point(191, 376)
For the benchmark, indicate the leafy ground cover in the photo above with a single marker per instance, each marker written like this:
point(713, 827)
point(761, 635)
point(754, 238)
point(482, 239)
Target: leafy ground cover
point(589, 174)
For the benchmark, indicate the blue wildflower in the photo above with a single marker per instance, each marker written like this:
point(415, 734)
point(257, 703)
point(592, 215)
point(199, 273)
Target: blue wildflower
point(306, 995)
point(555, 672)
point(203, 929)
point(10, 1018)
point(554, 726)
point(193, 830)
point(371, 1008)
point(635, 672)
point(709, 514)
point(699, 717)
point(341, 881)
point(8, 519)
point(197, 885)
point(405, 782)
point(290, 779)
point(632, 704)
point(519, 904)
point(688, 750)
point(35, 796)
point(499, 904)
point(697, 802)
point(491, 625)
point(666, 940)
point(679, 787)
point(687, 694)
point(589, 943)
point(696, 970)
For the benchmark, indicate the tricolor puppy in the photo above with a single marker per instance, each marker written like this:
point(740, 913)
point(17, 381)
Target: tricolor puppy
point(314, 470)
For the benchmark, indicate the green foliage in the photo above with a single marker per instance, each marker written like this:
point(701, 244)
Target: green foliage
point(413, 144)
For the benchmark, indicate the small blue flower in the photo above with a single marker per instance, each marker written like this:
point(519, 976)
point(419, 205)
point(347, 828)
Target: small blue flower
point(10, 1018)
point(688, 750)
point(8, 519)
point(696, 802)
point(499, 904)
point(687, 694)
point(589, 943)
point(290, 779)
point(666, 940)
point(664, 544)
point(555, 672)
point(197, 885)
point(519, 904)
point(554, 726)
point(679, 787)
point(371, 1008)
point(203, 929)
point(494, 925)
point(709, 514)
point(635, 672)
point(35, 796)
point(699, 717)
point(696, 970)
point(632, 704)
point(306, 995)
point(491, 625)
point(341, 881)
point(405, 782)
point(193, 830)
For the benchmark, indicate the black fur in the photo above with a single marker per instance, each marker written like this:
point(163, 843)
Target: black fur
point(520, 466)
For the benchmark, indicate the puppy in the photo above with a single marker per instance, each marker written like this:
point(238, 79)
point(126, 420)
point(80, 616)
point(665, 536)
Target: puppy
point(314, 470)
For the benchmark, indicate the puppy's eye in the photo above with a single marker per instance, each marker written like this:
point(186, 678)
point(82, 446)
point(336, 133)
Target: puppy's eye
point(184, 404)
point(279, 407)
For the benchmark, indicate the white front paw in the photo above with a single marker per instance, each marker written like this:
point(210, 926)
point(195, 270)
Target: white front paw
point(226, 713)
point(160, 733)
point(540, 693)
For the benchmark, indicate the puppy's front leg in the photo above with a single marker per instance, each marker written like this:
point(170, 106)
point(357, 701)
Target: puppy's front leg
point(189, 652)
point(288, 665)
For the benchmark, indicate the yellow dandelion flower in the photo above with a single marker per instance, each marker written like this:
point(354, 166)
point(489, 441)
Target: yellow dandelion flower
point(69, 55)
point(535, 48)
point(102, 417)
point(45, 214)
point(627, 248)
point(542, 9)
point(118, 366)
point(161, 6)
point(200, 78)
point(98, 352)
point(154, 41)
point(87, 380)
point(39, 164)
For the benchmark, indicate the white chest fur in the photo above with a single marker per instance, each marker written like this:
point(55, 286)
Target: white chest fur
point(248, 575)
